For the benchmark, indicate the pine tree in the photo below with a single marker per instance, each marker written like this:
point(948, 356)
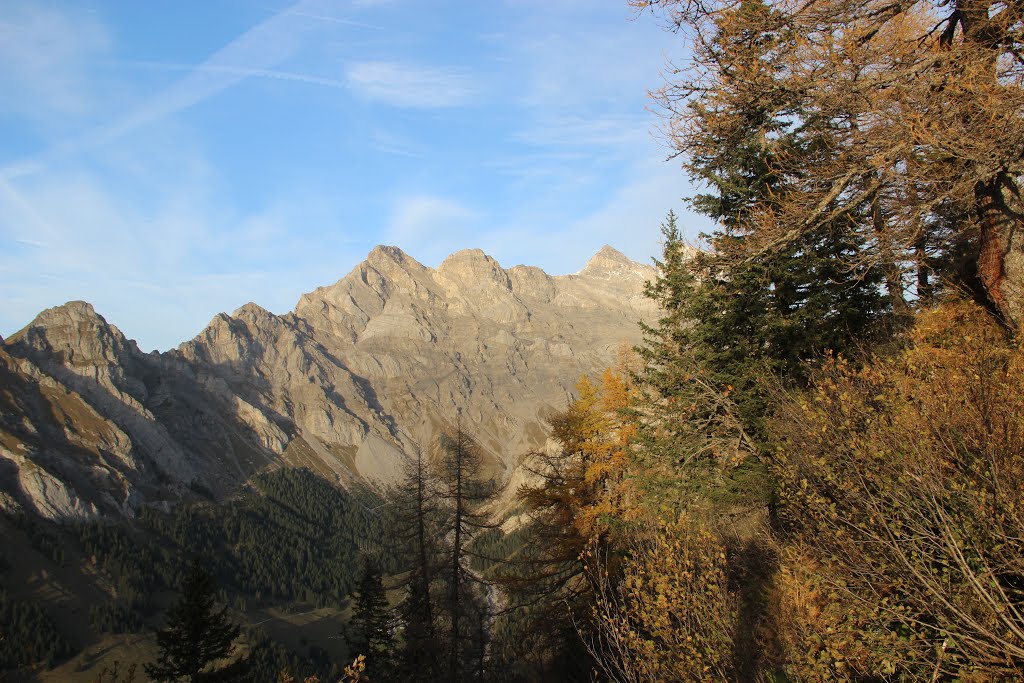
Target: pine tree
point(197, 635)
point(690, 432)
point(371, 622)
point(733, 317)
point(750, 317)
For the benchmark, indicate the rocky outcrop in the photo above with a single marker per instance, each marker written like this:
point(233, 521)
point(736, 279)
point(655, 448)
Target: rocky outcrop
point(360, 373)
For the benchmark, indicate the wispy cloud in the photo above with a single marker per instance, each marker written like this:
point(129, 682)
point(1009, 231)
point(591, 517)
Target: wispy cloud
point(254, 52)
point(609, 130)
point(337, 20)
point(370, 3)
point(44, 53)
point(409, 85)
point(390, 143)
point(21, 216)
point(242, 72)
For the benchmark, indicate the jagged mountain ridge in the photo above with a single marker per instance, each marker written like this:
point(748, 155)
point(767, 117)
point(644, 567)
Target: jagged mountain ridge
point(360, 373)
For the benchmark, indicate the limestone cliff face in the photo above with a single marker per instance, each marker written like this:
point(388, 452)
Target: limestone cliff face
point(89, 424)
point(361, 372)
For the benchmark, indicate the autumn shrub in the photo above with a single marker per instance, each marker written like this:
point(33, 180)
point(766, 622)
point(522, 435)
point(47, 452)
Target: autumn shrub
point(901, 502)
point(671, 615)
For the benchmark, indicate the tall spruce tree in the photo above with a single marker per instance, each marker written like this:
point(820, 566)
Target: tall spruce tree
point(370, 628)
point(690, 432)
point(730, 327)
point(729, 319)
point(772, 313)
point(197, 636)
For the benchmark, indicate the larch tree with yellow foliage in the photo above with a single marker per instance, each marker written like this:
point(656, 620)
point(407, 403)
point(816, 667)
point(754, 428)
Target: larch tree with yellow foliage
point(578, 493)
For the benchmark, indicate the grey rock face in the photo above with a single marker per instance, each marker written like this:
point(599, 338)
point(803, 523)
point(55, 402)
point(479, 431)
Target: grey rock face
point(360, 373)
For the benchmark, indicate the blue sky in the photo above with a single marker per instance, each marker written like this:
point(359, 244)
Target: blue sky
point(168, 160)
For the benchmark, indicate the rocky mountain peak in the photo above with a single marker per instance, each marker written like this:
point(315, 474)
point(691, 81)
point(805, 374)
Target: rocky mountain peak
point(72, 311)
point(391, 262)
point(387, 254)
point(472, 268)
point(610, 252)
point(74, 331)
point(470, 255)
point(254, 313)
point(82, 308)
point(608, 261)
point(532, 282)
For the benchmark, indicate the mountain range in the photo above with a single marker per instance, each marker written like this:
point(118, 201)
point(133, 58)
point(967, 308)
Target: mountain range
point(361, 374)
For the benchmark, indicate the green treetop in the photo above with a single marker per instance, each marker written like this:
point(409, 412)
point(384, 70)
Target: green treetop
point(197, 635)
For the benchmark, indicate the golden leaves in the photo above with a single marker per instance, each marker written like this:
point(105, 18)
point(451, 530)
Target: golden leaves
point(904, 479)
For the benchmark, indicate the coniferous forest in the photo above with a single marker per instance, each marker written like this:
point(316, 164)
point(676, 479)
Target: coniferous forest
point(811, 469)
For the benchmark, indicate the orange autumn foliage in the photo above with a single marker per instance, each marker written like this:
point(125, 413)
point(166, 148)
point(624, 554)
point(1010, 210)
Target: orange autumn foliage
point(578, 493)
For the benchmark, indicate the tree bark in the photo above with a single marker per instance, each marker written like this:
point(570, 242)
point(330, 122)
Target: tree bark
point(1001, 254)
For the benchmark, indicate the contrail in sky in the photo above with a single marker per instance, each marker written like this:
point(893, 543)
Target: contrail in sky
point(253, 53)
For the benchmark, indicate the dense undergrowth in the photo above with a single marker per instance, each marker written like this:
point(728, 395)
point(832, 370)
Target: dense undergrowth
point(901, 484)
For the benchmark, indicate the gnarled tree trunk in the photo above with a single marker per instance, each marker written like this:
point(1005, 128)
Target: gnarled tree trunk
point(1001, 253)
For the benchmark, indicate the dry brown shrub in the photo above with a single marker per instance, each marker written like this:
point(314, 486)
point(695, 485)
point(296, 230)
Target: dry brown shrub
point(902, 493)
point(672, 615)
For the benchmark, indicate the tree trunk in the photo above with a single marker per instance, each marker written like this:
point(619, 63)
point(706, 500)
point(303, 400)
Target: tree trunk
point(1000, 257)
point(456, 598)
point(1001, 254)
point(890, 269)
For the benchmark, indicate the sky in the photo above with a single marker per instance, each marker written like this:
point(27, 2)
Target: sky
point(170, 160)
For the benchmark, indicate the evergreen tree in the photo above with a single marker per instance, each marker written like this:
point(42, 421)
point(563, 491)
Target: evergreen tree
point(197, 635)
point(735, 314)
point(371, 621)
point(418, 535)
point(748, 317)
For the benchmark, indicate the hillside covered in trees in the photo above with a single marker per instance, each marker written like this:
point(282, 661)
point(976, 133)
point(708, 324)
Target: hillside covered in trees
point(291, 541)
